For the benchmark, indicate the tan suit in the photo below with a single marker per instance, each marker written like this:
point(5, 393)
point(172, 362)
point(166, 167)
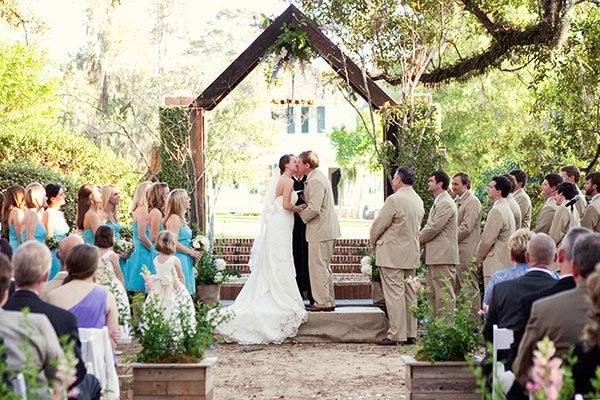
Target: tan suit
point(322, 228)
point(35, 332)
point(440, 239)
point(546, 216)
point(469, 233)
point(395, 236)
point(492, 251)
point(561, 317)
point(591, 217)
point(49, 286)
point(563, 220)
point(581, 205)
point(515, 209)
point(524, 202)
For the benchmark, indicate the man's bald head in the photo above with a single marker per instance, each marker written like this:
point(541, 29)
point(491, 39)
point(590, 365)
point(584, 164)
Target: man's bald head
point(541, 251)
point(65, 247)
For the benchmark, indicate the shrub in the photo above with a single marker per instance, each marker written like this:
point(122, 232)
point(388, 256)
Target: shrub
point(25, 173)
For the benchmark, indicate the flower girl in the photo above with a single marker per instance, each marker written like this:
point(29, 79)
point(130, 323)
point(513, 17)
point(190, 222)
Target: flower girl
point(166, 288)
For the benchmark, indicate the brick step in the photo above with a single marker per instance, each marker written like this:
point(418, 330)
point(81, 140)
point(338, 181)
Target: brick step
point(245, 250)
point(336, 268)
point(336, 259)
point(346, 286)
point(248, 242)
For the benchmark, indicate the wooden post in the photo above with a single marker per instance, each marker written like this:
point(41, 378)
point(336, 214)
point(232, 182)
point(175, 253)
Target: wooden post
point(197, 146)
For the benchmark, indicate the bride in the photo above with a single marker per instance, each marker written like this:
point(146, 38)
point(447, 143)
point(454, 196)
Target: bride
point(269, 308)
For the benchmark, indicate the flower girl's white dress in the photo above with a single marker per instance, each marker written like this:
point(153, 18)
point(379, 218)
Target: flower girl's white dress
point(105, 276)
point(168, 291)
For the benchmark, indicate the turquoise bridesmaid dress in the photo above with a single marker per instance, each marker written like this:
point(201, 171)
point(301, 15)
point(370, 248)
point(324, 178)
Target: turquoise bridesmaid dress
point(187, 263)
point(12, 237)
point(61, 230)
point(88, 236)
point(40, 234)
point(116, 228)
point(138, 258)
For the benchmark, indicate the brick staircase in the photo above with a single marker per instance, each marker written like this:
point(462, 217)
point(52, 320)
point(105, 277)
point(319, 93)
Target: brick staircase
point(349, 282)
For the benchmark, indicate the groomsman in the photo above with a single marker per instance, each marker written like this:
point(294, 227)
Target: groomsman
point(492, 251)
point(544, 222)
point(521, 197)
point(439, 237)
point(591, 216)
point(571, 174)
point(514, 206)
point(469, 226)
point(395, 236)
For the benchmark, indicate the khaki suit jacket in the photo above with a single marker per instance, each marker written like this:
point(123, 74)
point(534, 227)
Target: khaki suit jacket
point(561, 317)
point(395, 231)
point(546, 216)
point(36, 332)
point(581, 205)
point(319, 215)
point(492, 250)
point(524, 202)
point(469, 226)
point(440, 234)
point(515, 209)
point(563, 221)
point(591, 216)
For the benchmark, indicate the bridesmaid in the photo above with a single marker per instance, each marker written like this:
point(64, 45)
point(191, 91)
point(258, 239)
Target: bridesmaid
point(54, 221)
point(110, 198)
point(177, 205)
point(156, 197)
point(13, 209)
point(35, 199)
point(88, 219)
point(142, 246)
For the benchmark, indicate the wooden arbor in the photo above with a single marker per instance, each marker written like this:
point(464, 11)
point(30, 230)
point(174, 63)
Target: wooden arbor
point(248, 60)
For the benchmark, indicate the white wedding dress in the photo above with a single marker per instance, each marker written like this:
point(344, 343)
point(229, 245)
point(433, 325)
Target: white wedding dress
point(269, 308)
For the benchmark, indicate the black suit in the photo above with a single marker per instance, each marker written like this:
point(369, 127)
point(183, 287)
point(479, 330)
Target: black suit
point(300, 245)
point(63, 322)
point(506, 309)
point(566, 283)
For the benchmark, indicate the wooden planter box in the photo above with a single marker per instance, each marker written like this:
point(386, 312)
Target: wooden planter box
point(174, 381)
point(444, 380)
point(208, 294)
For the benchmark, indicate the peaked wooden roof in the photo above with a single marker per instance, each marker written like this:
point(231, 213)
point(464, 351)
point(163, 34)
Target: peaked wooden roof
point(249, 59)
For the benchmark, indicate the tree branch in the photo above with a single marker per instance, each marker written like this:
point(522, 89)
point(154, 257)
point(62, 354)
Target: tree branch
point(488, 24)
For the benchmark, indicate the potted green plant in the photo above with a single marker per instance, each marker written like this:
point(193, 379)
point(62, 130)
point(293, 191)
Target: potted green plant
point(446, 352)
point(211, 274)
point(172, 361)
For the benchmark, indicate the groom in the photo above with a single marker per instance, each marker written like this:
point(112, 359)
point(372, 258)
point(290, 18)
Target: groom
point(322, 229)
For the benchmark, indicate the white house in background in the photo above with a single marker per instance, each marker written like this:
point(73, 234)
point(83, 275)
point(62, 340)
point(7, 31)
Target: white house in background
point(306, 111)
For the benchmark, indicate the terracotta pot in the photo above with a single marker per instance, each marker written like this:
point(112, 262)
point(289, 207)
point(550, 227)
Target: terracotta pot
point(448, 380)
point(377, 293)
point(174, 381)
point(208, 294)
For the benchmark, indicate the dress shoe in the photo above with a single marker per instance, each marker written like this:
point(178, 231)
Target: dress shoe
point(314, 308)
point(388, 342)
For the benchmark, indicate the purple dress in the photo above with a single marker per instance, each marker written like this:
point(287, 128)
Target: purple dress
point(91, 310)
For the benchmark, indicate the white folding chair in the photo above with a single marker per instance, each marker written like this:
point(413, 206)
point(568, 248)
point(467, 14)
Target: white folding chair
point(503, 338)
point(97, 354)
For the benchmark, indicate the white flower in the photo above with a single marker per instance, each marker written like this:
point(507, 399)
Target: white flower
point(201, 243)
point(366, 260)
point(220, 264)
point(218, 277)
point(366, 269)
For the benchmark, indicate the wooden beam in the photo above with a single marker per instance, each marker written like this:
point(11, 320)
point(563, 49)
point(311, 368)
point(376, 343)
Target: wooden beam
point(197, 148)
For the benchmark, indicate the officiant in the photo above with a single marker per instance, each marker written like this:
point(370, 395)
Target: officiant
point(300, 245)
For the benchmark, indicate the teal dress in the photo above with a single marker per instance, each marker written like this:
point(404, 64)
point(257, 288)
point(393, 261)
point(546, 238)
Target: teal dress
point(116, 228)
point(12, 237)
point(138, 258)
point(187, 263)
point(40, 234)
point(88, 236)
point(61, 230)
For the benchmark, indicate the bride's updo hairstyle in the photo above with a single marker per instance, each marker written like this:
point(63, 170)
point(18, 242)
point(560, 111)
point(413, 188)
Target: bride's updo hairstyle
point(283, 161)
point(82, 262)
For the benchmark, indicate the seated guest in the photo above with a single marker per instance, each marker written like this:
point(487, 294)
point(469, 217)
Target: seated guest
point(588, 350)
point(7, 251)
point(565, 260)
point(517, 247)
point(92, 305)
point(505, 305)
point(560, 317)
point(64, 248)
point(34, 330)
